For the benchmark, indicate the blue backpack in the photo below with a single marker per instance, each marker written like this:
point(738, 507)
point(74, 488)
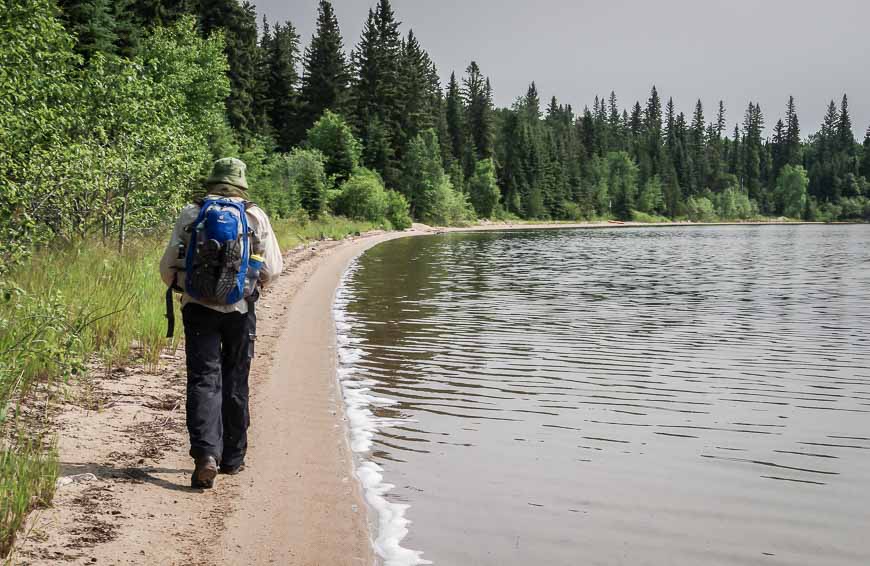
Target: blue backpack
point(218, 253)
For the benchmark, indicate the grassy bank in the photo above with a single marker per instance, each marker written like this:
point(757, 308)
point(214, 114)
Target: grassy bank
point(75, 308)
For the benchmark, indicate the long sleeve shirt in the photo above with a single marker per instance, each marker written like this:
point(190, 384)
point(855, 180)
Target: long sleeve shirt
point(172, 267)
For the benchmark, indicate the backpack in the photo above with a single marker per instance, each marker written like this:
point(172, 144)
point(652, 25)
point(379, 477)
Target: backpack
point(216, 263)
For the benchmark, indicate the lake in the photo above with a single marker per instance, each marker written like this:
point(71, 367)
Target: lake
point(686, 395)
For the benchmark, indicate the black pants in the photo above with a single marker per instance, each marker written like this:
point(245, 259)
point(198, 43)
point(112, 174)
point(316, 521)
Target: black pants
point(219, 348)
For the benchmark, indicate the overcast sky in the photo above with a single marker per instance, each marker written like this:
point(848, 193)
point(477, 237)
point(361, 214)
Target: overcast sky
point(734, 50)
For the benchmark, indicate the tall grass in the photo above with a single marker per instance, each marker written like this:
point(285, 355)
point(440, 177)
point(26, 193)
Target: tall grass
point(295, 231)
point(72, 305)
point(27, 477)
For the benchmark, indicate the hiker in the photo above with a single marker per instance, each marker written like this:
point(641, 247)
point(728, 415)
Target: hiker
point(221, 252)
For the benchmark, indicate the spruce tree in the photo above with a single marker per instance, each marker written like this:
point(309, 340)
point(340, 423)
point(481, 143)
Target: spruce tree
point(377, 101)
point(720, 120)
point(845, 136)
point(753, 123)
point(455, 118)
point(865, 161)
point(792, 135)
point(92, 23)
point(239, 24)
point(282, 57)
point(653, 125)
point(325, 71)
point(477, 95)
point(698, 149)
point(417, 93)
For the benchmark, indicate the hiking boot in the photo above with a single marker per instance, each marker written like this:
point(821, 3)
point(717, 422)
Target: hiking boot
point(232, 470)
point(204, 473)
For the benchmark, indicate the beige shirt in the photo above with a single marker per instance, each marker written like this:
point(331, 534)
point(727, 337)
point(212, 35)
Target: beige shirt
point(258, 222)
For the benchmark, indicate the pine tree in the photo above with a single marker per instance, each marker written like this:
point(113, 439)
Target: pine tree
point(261, 102)
point(778, 147)
point(698, 149)
point(477, 95)
point(455, 118)
point(418, 92)
point(161, 12)
point(614, 125)
point(92, 23)
point(720, 120)
point(377, 101)
point(792, 135)
point(865, 162)
point(653, 125)
point(325, 71)
point(281, 59)
point(753, 123)
point(845, 136)
point(239, 23)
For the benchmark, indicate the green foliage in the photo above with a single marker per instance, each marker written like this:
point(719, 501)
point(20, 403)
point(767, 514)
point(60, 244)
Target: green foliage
point(273, 185)
point(700, 209)
point(732, 204)
point(791, 191)
point(483, 190)
point(308, 180)
point(651, 199)
point(363, 197)
point(397, 213)
point(638, 216)
point(332, 136)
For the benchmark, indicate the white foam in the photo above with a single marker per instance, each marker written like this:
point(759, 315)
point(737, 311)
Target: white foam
point(364, 424)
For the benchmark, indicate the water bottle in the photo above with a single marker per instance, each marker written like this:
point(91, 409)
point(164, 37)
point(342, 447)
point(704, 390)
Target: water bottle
point(255, 263)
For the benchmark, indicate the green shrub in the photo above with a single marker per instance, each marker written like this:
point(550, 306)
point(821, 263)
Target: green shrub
point(700, 209)
point(397, 211)
point(791, 191)
point(363, 197)
point(733, 204)
point(639, 216)
point(308, 179)
point(483, 190)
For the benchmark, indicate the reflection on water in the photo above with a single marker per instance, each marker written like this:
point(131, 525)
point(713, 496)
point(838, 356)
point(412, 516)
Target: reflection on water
point(654, 396)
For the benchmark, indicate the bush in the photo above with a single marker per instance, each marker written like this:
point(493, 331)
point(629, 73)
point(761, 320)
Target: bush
point(732, 204)
point(700, 209)
point(308, 180)
point(363, 197)
point(639, 216)
point(651, 199)
point(397, 211)
point(791, 191)
point(483, 190)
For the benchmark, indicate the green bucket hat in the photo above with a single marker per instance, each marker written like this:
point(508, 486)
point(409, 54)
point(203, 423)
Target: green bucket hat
point(228, 171)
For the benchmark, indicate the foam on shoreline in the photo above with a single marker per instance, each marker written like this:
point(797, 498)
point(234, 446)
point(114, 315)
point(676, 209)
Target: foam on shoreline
point(364, 424)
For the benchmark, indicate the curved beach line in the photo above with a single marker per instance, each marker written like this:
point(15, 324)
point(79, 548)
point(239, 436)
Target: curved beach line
point(363, 424)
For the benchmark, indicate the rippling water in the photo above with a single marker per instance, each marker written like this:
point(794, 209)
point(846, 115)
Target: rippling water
point(626, 396)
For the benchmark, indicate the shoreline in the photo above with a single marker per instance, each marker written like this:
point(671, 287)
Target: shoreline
point(301, 499)
point(124, 495)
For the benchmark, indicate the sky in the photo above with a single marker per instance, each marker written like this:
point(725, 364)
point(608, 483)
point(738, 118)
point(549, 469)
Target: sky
point(735, 50)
